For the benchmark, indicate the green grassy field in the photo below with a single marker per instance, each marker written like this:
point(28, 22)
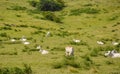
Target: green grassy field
point(101, 23)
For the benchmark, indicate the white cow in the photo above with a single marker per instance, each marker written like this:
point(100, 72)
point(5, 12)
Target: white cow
point(38, 47)
point(108, 53)
point(76, 41)
point(23, 39)
point(100, 42)
point(13, 40)
point(48, 34)
point(69, 51)
point(113, 54)
point(26, 43)
point(115, 43)
point(43, 51)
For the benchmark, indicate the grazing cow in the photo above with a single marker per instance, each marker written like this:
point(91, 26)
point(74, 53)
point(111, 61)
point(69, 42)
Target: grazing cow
point(115, 43)
point(38, 47)
point(43, 51)
point(115, 54)
point(26, 43)
point(108, 53)
point(13, 40)
point(69, 51)
point(76, 41)
point(48, 34)
point(100, 42)
point(23, 39)
point(112, 54)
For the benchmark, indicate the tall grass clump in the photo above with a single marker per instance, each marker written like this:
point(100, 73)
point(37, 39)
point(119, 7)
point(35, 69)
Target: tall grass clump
point(95, 52)
point(67, 61)
point(86, 10)
point(17, 8)
point(27, 69)
point(52, 17)
point(6, 28)
point(87, 62)
point(71, 61)
point(3, 34)
point(33, 3)
point(16, 70)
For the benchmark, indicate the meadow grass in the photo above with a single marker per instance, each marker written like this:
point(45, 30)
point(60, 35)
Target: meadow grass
point(100, 23)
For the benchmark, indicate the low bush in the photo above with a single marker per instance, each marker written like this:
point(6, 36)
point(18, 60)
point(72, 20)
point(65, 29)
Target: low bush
point(51, 5)
point(3, 34)
point(52, 17)
point(88, 63)
point(27, 69)
point(33, 3)
point(67, 61)
point(6, 28)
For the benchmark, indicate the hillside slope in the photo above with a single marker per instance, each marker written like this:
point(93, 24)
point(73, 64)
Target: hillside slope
point(86, 20)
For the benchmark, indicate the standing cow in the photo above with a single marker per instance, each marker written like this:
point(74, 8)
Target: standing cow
point(69, 51)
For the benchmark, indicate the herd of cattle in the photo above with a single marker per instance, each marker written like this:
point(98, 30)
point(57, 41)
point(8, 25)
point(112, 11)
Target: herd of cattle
point(69, 51)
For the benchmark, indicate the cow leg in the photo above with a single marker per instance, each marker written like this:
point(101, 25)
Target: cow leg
point(66, 53)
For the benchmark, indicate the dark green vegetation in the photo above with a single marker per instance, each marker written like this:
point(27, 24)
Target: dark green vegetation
point(86, 20)
point(50, 5)
point(16, 70)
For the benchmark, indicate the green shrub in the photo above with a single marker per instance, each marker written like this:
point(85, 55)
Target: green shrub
point(88, 63)
point(16, 70)
point(50, 5)
point(3, 34)
point(33, 3)
point(6, 28)
point(67, 61)
point(70, 61)
point(27, 69)
point(52, 17)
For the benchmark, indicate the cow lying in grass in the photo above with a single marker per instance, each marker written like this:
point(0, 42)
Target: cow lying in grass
point(113, 54)
point(69, 51)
